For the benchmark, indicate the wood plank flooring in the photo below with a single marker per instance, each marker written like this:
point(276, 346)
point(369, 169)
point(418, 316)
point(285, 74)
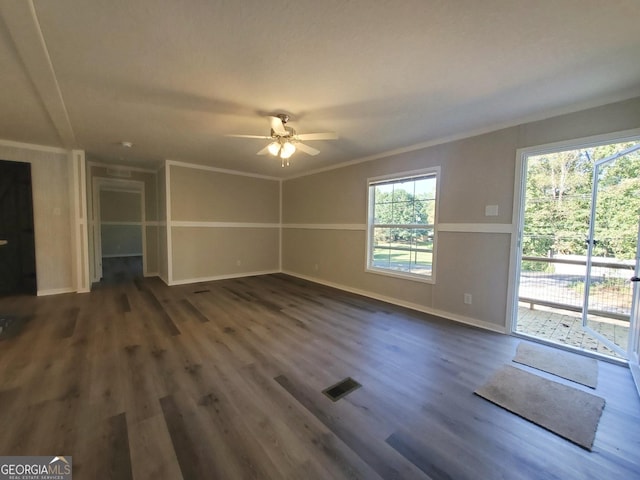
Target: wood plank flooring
point(223, 380)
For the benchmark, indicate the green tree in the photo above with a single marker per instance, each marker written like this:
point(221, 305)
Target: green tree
point(559, 194)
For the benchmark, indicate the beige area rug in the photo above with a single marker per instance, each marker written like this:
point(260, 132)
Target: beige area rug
point(563, 364)
point(565, 411)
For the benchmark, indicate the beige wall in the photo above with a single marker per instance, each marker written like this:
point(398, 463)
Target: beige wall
point(210, 196)
point(121, 223)
point(475, 172)
point(232, 224)
point(120, 206)
point(51, 185)
point(204, 252)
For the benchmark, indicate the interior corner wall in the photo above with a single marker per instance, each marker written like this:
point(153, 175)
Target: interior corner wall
point(220, 224)
point(325, 215)
point(51, 180)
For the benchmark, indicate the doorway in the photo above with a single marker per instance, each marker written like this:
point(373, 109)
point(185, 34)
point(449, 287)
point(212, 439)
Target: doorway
point(577, 247)
point(119, 236)
point(17, 238)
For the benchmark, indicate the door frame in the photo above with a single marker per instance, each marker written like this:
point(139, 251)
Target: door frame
point(520, 183)
point(114, 184)
point(590, 245)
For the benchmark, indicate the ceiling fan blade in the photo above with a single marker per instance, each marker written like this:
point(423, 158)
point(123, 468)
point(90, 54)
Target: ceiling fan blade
point(247, 136)
point(317, 136)
point(277, 126)
point(306, 149)
point(264, 151)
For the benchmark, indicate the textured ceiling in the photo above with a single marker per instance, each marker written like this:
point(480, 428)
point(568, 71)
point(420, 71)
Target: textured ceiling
point(175, 77)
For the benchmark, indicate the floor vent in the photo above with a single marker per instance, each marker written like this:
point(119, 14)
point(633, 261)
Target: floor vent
point(341, 389)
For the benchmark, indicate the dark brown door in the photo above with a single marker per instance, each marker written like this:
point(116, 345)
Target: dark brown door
point(17, 242)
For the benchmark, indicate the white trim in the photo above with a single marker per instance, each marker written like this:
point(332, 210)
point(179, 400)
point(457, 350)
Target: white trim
point(124, 167)
point(179, 223)
point(55, 291)
point(369, 226)
point(221, 277)
point(114, 188)
point(635, 373)
point(167, 197)
point(196, 166)
point(33, 146)
point(80, 243)
point(326, 226)
point(124, 224)
point(416, 277)
point(583, 142)
point(506, 228)
point(413, 306)
point(151, 274)
point(154, 223)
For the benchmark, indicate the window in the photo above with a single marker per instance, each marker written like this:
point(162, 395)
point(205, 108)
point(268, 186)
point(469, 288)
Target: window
point(401, 226)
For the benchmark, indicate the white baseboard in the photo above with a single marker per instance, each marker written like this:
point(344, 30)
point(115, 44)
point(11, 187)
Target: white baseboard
point(56, 291)
point(151, 274)
point(401, 303)
point(220, 277)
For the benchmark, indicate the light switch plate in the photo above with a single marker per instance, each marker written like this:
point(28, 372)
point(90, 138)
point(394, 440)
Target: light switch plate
point(491, 210)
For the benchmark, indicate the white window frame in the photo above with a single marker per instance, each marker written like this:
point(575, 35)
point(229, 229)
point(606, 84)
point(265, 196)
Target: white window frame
point(369, 268)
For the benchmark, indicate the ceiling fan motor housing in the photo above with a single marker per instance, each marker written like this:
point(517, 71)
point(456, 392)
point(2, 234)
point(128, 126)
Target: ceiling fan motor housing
point(290, 132)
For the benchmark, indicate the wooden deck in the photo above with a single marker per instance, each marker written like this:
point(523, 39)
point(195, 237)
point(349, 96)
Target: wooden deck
point(565, 327)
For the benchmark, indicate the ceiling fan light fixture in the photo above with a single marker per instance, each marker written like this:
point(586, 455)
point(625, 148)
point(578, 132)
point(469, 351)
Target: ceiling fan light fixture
point(288, 149)
point(274, 148)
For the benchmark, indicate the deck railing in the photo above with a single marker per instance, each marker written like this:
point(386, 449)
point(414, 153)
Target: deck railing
point(559, 283)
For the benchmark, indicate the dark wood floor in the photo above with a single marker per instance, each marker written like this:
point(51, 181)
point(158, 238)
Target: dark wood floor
point(223, 380)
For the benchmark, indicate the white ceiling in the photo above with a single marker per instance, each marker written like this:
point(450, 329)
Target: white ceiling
point(174, 77)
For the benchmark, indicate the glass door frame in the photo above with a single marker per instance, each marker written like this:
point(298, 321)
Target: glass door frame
point(634, 332)
point(597, 168)
point(519, 196)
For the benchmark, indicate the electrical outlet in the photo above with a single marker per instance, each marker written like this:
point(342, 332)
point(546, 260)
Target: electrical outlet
point(315, 267)
point(238, 262)
point(467, 298)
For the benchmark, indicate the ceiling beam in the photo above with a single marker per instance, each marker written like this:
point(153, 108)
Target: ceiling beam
point(24, 28)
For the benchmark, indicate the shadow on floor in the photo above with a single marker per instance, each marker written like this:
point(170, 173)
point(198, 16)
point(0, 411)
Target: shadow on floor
point(117, 270)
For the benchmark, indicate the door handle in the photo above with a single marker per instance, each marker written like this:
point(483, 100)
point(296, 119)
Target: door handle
point(635, 279)
point(3, 242)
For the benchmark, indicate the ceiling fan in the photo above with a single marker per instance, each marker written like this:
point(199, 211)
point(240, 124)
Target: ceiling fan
point(285, 141)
